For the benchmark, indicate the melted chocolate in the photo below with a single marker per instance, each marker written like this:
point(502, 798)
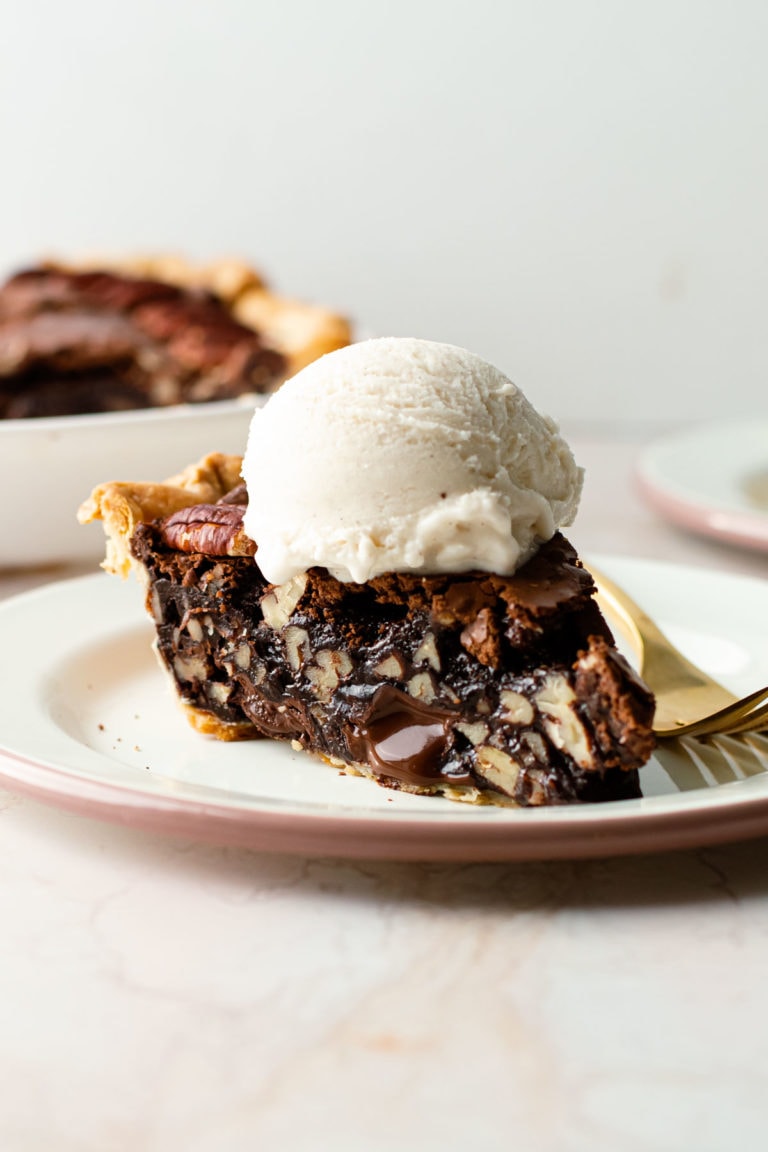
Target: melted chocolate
point(404, 739)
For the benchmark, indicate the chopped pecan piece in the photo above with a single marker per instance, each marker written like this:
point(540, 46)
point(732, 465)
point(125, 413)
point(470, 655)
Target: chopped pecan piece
point(482, 639)
point(238, 495)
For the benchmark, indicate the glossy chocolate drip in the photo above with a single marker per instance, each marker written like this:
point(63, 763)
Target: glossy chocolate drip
point(404, 739)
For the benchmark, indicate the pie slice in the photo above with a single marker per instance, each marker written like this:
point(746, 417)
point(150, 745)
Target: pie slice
point(115, 335)
point(476, 686)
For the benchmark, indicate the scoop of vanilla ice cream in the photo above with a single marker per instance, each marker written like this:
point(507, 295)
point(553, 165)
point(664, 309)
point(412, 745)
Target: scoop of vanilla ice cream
point(403, 455)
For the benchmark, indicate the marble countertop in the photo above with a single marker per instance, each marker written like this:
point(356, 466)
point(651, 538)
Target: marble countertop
point(159, 993)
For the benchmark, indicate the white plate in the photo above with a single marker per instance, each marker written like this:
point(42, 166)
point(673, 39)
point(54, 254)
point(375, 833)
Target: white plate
point(48, 466)
point(91, 724)
point(712, 479)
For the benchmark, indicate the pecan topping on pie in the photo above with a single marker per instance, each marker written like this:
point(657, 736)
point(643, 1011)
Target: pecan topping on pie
point(150, 334)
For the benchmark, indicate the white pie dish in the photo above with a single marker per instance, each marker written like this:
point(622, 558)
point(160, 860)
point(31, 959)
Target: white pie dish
point(49, 465)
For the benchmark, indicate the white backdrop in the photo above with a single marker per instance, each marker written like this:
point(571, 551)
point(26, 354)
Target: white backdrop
point(576, 189)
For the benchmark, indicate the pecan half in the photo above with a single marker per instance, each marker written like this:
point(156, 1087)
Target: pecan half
point(212, 529)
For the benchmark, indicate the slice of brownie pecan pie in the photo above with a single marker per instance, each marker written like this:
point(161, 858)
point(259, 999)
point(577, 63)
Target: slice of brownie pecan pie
point(149, 333)
point(476, 686)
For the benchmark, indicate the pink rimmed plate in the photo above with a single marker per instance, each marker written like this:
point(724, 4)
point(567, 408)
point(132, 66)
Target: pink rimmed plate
point(712, 479)
point(89, 722)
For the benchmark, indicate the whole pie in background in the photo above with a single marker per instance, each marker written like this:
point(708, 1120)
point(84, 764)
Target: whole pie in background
point(146, 332)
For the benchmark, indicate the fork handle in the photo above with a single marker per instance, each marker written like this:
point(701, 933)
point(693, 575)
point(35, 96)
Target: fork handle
point(639, 625)
point(652, 646)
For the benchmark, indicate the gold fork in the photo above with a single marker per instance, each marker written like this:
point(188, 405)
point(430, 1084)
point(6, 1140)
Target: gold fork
point(688, 701)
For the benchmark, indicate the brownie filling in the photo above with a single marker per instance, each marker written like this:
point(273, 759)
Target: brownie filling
point(76, 342)
point(506, 685)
